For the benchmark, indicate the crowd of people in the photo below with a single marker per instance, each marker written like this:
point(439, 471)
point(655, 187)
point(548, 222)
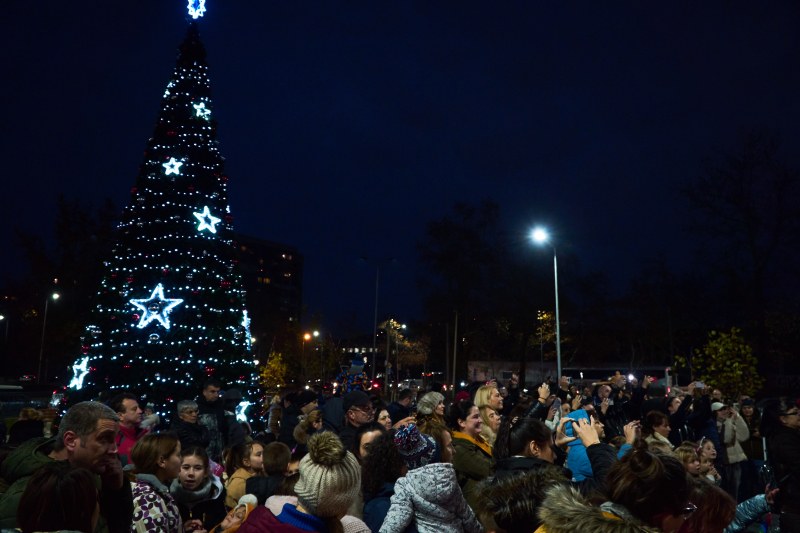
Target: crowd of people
point(611, 456)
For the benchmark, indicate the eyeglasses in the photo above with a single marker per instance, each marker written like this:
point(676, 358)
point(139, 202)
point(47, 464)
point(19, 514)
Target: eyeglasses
point(368, 410)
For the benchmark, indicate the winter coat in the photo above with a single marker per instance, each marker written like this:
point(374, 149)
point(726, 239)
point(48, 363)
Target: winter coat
point(154, 509)
point(732, 431)
point(235, 487)
point(430, 498)
point(127, 437)
point(783, 447)
point(261, 519)
point(658, 437)
point(206, 503)
point(754, 446)
point(473, 463)
point(212, 417)
point(564, 510)
point(376, 506)
point(116, 506)
point(190, 434)
point(748, 512)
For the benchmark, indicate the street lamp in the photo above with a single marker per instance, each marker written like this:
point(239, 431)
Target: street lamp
point(541, 236)
point(55, 296)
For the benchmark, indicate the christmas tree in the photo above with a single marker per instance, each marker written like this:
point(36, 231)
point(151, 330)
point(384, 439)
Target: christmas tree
point(170, 312)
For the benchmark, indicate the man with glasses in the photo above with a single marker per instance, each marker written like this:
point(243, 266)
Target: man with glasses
point(358, 410)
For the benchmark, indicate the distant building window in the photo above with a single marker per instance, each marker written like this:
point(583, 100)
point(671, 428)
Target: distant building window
point(264, 280)
point(287, 274)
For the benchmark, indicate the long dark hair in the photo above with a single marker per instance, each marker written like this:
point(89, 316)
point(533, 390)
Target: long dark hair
point(366, 428)
point(58, 496)
point(383, 464)
point(515, 434)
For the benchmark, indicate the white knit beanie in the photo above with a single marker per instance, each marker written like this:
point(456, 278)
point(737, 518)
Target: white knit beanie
point(330, 477)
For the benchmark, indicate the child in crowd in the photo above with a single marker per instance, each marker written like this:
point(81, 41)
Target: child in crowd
point(242, 462)
point(276, 467)
point(198, 492)
point(236, 517)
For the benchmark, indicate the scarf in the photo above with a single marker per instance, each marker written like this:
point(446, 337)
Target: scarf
point(208, 490)
point(482, 444)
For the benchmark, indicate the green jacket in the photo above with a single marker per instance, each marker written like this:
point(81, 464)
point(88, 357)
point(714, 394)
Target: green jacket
point(116, 507)
point(472, 466)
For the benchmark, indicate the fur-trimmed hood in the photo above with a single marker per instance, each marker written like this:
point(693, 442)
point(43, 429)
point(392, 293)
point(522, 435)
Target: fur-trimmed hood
point(564, 510)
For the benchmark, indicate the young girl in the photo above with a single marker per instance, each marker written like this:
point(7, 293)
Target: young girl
point(242, 462)
point(708, 455)
point(198, 492)
point(158, 461)
point(687, 453)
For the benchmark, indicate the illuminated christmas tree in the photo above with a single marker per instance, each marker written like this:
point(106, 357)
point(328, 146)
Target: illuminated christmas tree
point(171, 309)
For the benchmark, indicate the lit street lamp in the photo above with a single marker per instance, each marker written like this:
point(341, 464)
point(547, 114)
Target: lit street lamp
point(541, 236)
point(55, 296)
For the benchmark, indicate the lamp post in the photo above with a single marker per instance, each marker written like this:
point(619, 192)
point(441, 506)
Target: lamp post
point(55, 296)
point(378, 264)
point(541, 236)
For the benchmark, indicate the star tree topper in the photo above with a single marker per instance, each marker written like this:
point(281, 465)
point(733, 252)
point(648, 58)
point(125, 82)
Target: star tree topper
point(196, 8)
point(161, 307)
point(207, 220)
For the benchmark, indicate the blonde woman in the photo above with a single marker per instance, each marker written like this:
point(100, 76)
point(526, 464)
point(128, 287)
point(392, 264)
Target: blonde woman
point(489, 403)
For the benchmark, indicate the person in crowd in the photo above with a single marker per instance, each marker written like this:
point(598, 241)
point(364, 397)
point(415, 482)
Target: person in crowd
point(150, 418)
point(656, 428)
point(715, 507)
point(473, 456)
point(126, 405)
point(490, 404)
point(732, 431)
point(329, 482)
point(242, 462)
point(753, 448)
point(358, 411)
point(307, 426)
point(383, 418)
point(430, 407)
point(401, 408)
point(156, 463)
point(687, 453)
point(364, 435)
point(277, 456)
point(87, 439)
point(198, 493)
point(511, 504)
point(780, 424)
point(644, 491)
point(186, 426)
point(237, 516)
point(212, 417)
point(707, 453)
point(381, 467)
point(238, 432)
point(59, 497)
point(428, 496)
point(274, 416)
point(29, 425)
point(679, 408)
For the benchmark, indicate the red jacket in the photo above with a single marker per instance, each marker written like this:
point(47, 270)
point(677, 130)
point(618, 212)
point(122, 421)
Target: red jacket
point(126, 440)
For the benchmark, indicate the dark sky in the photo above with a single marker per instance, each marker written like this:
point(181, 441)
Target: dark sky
point(346, 126)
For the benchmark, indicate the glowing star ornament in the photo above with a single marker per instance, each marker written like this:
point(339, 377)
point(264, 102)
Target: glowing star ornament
point(202, 111)
point(196, 8)
point(173, 166)
point(155, 308)
point(79, 371)
point(207, 220)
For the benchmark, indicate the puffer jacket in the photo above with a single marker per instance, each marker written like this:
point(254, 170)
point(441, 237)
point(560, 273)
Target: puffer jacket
point(748, 512)
point(564, 510)
point(430, 498)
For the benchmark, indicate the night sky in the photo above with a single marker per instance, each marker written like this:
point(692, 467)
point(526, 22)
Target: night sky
point(347, 126)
